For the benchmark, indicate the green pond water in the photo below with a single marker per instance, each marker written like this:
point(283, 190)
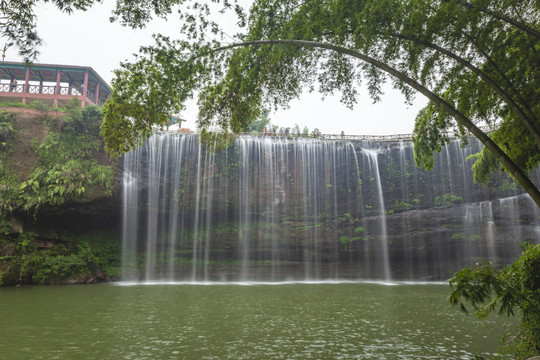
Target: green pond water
point(287, 321)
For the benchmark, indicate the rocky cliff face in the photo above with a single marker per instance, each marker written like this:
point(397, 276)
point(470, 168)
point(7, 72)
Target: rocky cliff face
point(310, 209)
point(59, 191)
point(91, 207)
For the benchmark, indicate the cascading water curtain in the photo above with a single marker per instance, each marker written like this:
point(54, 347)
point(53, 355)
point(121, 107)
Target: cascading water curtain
point(275, 209)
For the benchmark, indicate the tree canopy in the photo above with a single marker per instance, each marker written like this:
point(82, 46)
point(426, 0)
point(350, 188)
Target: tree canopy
point(261, 123)
point(477, 61)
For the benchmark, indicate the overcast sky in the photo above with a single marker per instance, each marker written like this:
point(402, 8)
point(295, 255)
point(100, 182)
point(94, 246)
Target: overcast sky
point(89, 39)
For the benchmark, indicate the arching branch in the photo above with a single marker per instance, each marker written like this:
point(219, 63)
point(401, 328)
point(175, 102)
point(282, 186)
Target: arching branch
point(499, 71)
point(522, 116)
point(528, 120)
point(506, 19)
point(508, 164)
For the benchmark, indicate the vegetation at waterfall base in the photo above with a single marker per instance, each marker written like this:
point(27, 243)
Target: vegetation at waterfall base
point(511, 291)
point(50, 164)
point(88, 258)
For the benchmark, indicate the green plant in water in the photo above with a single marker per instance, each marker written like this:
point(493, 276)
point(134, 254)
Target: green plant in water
point(345, 217)
point(399, 206)
point(89, 255)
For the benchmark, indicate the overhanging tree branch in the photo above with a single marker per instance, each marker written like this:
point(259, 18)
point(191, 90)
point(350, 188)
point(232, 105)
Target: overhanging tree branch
point(508, 164)
point(522, 116)
point(506, 19)
point(501, 73)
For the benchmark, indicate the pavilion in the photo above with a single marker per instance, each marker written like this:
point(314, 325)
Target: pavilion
point(51, 84)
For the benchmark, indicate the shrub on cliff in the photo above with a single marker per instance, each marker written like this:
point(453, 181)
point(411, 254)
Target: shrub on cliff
point(93, 257)
point(69, 161)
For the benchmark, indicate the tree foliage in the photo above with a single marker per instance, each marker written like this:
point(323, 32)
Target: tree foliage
point(93, 255)
point(261, 123)
point(477, 62)
point(513, 291)
point(67, 164)
point(479, 59)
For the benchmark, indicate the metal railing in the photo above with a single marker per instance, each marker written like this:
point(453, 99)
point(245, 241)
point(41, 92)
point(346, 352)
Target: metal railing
point(397, 137)
point(376, 138)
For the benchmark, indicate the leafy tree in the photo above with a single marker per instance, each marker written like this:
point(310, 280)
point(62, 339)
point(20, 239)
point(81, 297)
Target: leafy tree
point(261, 123)
point(296, 130)
point(447, 200)
point(66, 164)
point(477, 61)
point(512, 290)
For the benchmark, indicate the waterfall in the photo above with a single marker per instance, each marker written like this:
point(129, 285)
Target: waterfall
point(374, 170)
point(130, 213)
point(275, 209)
